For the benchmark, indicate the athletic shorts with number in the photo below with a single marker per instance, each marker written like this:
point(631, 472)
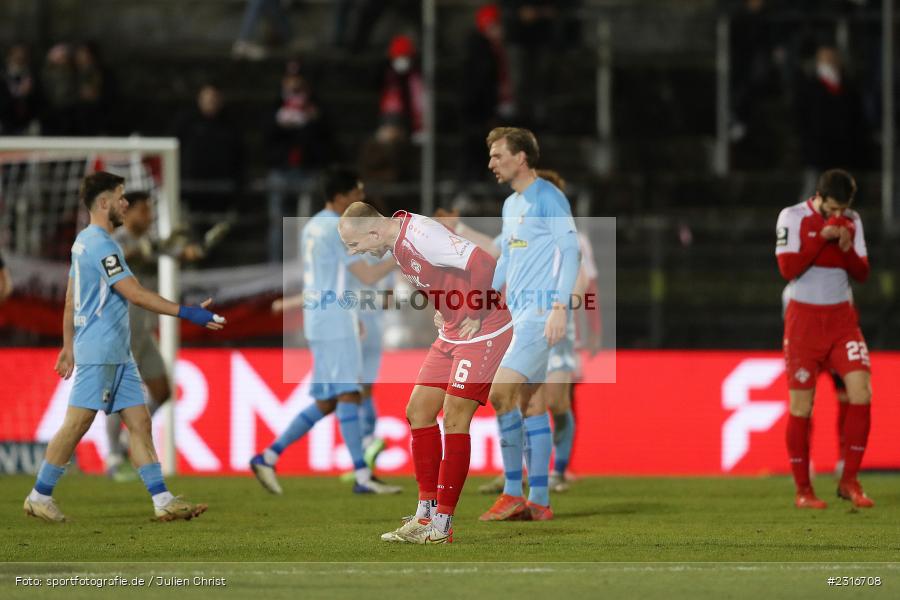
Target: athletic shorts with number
point(464, 369)
point(818, 337)
point(336, 367)
point(109, 388)
point(563, 356)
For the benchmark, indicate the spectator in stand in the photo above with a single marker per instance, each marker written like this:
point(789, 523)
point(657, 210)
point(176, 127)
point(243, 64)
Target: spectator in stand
point(401, 91)
point(486, 88)
point(279, 20)
point(830, 119)
point(758, 55)
point(299, 144)
point(94, 85)
point(59, 90)
point(353, 22)
point(211, 152)
point(18, 93)
point(534, 31)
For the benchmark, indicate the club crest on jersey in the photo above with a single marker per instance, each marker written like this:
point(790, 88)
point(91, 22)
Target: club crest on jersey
point(415, 266)
point(802, 375)
point(782, 235)
point(111, 265)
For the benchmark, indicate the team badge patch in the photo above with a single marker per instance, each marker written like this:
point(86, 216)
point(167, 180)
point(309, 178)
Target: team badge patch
point(111, 265)
point(782, 235)
point(415, 266)
point(802, 375)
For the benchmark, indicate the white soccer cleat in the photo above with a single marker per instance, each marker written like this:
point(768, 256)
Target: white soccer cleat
point(422, 531)
point(557, 482)
point(376, 487)
point(178, 508)
point(47, 511)
point(265, 474)
point(396, 535)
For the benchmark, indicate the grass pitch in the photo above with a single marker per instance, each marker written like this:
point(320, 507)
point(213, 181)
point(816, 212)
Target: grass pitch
point(612, 537)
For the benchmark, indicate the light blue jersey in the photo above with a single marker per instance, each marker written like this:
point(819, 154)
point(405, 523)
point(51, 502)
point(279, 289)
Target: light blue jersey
point(326, 314)
point(538, 264)
point(537, 224)
point(371, 317)
point(102, 334)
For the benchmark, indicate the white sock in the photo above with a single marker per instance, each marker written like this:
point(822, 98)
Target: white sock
point(363, 475)
point(270, 456)
point(36, 496)
point(367, 441)
point(162, 498)
point(425, 509)
point(441, 522)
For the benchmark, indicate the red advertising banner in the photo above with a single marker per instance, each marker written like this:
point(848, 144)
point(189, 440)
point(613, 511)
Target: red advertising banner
point(670, 413)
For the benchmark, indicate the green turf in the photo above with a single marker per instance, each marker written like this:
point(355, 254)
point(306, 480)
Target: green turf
point(601, 523)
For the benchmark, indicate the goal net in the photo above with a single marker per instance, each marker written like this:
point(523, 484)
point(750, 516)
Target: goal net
point(40, 214)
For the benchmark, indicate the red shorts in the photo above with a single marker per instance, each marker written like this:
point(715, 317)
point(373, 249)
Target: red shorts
point(819, 337)
point(464, 370)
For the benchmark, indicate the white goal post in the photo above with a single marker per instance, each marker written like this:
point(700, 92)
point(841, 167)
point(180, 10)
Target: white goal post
point(128, 154)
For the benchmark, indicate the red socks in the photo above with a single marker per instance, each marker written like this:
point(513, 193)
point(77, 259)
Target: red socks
point(856, 435)
point(798, 450)
point(842, 418)
point(454, 469)
point(426, 451)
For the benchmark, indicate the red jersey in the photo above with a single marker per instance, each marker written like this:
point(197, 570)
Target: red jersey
point(455, 274)
point(817, 268)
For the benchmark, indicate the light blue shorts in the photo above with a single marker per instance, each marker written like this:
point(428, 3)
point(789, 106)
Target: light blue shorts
point(371, 348)
point(336, 367)
point(109, 388)
point(528, 352)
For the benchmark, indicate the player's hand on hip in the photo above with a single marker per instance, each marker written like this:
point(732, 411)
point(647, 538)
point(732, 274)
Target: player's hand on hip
point(555, 328)
point(198, 315)
point(846, 239)
point(65, 363)
point(469, 327)
point(438, 319)
point(830, 232)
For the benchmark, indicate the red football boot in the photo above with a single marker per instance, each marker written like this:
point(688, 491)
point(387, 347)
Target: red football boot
point(506, 508)
point(851, 490)
point(806, 498)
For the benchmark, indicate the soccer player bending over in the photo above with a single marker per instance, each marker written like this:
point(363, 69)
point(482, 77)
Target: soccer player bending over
point(96, 340)
point(819, 244)
point(538, 265)
point(456, 373)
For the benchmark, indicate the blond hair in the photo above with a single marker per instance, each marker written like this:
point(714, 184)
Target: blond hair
point(553, 177)
point(363, 216)
point(518, 140)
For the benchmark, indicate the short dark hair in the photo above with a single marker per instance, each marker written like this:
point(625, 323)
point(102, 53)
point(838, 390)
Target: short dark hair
point(338, 179)
point(837, 184)
point(518, 139)
point(95, 184)
point(137, 197)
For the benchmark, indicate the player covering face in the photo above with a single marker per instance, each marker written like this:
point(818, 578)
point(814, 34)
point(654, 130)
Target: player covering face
point(460, 365)
point(819, 246)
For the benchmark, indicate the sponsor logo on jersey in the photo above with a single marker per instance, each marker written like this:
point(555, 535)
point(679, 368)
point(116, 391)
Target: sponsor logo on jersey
point(459, 244)
point(111, 265)
point(802, 375)
point(415, 266)
point(812, 234)
point(517, 243)
point(414, 279)
point(782, 236)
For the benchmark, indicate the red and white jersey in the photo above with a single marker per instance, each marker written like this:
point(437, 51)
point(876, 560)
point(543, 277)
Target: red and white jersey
point(817, 269)
point(453, 272)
